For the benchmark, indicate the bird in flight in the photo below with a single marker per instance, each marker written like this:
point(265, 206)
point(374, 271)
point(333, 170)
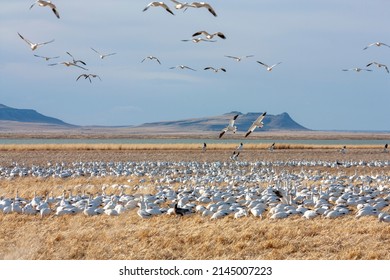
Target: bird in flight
point(377, 44)
point(158, 4)
point(379, 65)
point(202, 5)
point(67, 64)
point(215, 69)
point(238, 58)
point(357, 69)
point(76, 61)
point(240, 147)
point(49, 4)
point(179, 5)
point(208, 35)
point(234, 156)
point(271, 148)
point(88, 76)
point(204, 147)
point(34, 46)
point(47, 58)
point(230, 127)
point(269, 68)
point(257, 123)
point(151, 58)
point(182, 67)
point(102, 55)
point(198, 40)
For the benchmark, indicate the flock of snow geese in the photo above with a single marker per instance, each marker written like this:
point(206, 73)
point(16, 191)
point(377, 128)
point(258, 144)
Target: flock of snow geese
point(212, 190)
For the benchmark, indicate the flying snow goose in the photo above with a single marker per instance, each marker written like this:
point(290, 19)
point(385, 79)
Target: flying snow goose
point(377, 44)
point(385, 148)
point(204, 148)
point(198, 40)
point(179, 5)
point(230, 127)
point(234, 156)
point(158, 4)
point(34, 46)
point(88, 76)
point(208, 35)
point(269, 68)
point(182, 67)
point(102, 55)
point(47, 58)
point(49, 4)
point(238, 58)
point(379, 65)
point(240, 147)
point(257, 123)
point(76, 61)
point(215, 69)
point(203, 5)
point(357, 69)
point(67, 64)
point(151, 58)
point(272, 147)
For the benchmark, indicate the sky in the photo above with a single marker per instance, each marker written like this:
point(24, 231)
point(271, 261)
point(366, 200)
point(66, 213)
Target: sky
point(314, 40)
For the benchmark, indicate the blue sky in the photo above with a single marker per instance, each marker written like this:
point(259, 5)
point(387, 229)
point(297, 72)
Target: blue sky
point(314, 40)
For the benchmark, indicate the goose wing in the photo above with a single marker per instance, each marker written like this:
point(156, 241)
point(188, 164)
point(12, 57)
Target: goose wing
point(44, 43)
point(232, 121)
point(266, 65)
point(55, 12)
point(26, 40)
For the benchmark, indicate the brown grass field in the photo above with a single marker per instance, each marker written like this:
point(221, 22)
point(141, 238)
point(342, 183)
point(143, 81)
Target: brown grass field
point(129, 237)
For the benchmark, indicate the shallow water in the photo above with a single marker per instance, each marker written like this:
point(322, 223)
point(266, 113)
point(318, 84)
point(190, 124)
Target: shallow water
point(188, 141)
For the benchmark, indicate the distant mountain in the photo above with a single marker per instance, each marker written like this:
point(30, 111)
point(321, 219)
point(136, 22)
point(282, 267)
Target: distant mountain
point(27, 116)
point(27, 120)
point(243, 122)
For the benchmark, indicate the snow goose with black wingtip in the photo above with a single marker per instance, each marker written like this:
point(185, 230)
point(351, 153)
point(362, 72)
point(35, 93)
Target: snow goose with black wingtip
point(209, 35)
point(34, 46)
point(203, 5)
point(379, 65)
point(269, 68)
point(377, 44)
point(158, 4)
point(215, 69)
point(47, 58)
point(182, 67)
point(49, 4)
point(238, 58)
point(230, 127)
point(257, 123)
point(102, 55)
point(151, 57)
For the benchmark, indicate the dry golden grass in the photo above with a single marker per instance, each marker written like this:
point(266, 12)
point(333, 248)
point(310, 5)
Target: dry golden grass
point(193, 237)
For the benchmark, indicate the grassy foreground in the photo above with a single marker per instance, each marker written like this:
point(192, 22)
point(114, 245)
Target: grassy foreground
point(192, 237)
